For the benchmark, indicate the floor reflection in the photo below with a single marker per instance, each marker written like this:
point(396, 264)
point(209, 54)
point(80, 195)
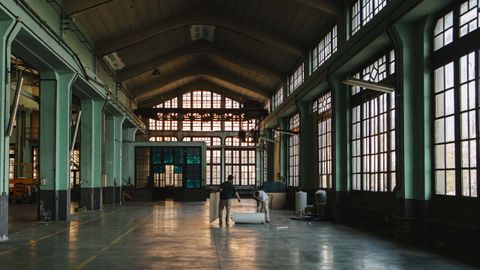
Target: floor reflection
point(178, 235)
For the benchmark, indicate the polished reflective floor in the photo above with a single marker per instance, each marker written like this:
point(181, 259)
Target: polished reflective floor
point(172, 235)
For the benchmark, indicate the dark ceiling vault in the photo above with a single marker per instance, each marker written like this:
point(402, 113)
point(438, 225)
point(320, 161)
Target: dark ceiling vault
point(252, 47)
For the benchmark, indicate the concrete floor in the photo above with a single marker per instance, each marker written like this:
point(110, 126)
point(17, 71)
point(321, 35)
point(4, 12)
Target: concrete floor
point(172, 235)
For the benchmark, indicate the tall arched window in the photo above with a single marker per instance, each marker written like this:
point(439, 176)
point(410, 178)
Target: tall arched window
point(294, 152)
point(373, 148)
point(456, 101)
point(323, 108)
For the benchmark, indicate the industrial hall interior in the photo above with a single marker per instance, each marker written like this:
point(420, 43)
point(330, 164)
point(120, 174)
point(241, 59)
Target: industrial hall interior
point(239, 134)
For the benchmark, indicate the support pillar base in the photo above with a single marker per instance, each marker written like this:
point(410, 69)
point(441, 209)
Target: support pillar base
point(118, 196)
point(91, 198)
point(57, 202)
point(112, 195)
point(3, 218)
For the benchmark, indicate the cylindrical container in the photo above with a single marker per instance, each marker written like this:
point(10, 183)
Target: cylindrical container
point(300, 203)
point(253, 218)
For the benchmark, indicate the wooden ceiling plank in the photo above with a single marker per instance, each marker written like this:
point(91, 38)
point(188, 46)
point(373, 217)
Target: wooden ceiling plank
point(199, 48)
point(326, 6)
point(75, 7)
point(199, 84)
point(200, 17)
point(200, 71)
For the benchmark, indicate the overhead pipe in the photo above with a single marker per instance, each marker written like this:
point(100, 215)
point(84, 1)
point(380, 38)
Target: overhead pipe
point(369, 85)
point(13, 113)
point(4, 181)
point(286, 132)
point(77, 124)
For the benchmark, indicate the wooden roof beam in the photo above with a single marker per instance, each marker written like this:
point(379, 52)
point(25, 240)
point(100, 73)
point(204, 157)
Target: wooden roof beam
point(193, 18)
point(203, 71)
point(75, 7)
point(199, 48)
point(326, 6)
point(200, 84)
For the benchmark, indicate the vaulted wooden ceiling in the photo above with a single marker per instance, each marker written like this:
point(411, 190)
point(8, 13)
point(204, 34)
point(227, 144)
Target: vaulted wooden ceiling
point(256, 43)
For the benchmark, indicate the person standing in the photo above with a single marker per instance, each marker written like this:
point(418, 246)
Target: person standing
point(262, 204)
point(227, 192)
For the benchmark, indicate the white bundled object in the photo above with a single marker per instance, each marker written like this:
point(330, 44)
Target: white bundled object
point(214, 200)
point(255, 218)
point(300, 203)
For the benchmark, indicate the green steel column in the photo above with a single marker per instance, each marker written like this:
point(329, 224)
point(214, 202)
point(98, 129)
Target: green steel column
point(91, 154)
point(16, 139)
point(118, 158)
point(113, 166)
point(341, 134)
point(341, 144)
point(259, 168)
point(413, 48)
point(23, 150)
point(270, 156)
point(306, 149)
point(283, 123)
point(8, 30)
point(27, 148)
point(128, 156)
point(340, 124)
point(55, 125)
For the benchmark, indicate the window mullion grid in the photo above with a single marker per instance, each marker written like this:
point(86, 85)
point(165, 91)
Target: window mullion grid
point(362, 146)
point(456, 24)
point(458, 126)
point(445, 142)
point(240, 154)
point(477, 114)
point(378, 145)
point(388, 150)
point(370, 145)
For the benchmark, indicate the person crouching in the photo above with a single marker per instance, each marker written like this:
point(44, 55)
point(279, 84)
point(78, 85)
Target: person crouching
point(262, 204)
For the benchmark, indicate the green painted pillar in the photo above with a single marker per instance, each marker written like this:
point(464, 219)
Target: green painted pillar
point(113, 162)
point(128, 155)
point(23, 150)
point(259, 167)
point(55, 126)
point(341, 145)
point(91, 154)
point(270, 156)
point(8, 30)
point(413, 49)
point(283, 124)
point(307, 177)
point(27, 147)
point(341, 135)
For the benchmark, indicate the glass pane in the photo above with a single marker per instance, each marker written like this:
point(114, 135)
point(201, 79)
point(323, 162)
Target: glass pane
point(439, 131)
point(450, 182)
point(450, 155)
point(440, 156)
point(449, 129)
point(440, 182)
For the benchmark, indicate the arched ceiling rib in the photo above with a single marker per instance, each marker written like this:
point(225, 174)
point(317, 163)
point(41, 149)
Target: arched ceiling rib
point(193, 18)
point(167, 83)
point(200, 48)
point(256, 43)
point(196, 84)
